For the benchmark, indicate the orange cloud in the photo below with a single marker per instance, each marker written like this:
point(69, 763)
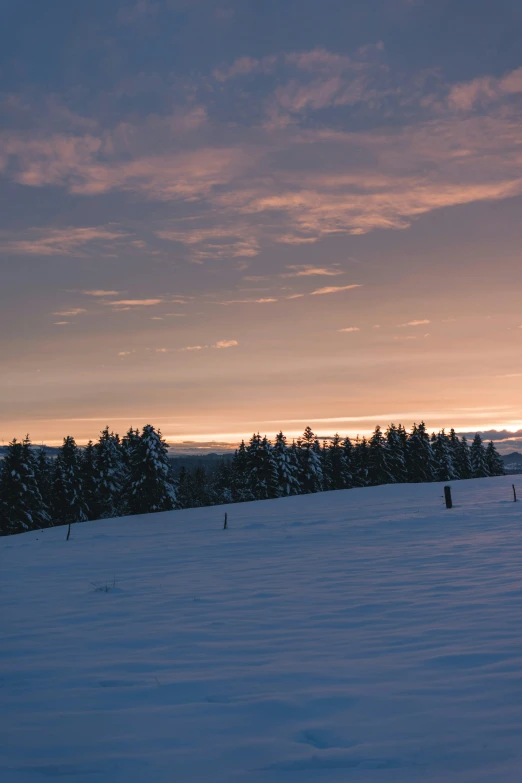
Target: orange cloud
point(333, 289)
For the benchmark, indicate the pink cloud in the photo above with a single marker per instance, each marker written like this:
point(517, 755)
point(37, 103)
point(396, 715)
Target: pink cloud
point(60, 242)
point(334, 289)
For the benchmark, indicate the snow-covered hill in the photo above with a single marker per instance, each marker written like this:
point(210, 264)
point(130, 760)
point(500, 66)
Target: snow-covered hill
point(362, 635)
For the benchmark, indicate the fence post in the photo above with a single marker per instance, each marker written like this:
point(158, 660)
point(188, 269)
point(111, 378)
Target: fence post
point(225, 525)
point(447, 497)
point(68, 532)
point(514, 494)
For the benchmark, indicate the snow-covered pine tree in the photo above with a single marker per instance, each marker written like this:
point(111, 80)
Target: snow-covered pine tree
point(151, 485)
point(360, 462)
point(310, 463)
point(494, 461)
point(241, 491)
point(183, 493)
point(396, 454)
point(262, 469)
point(348, 461)
point(340, 476)
point(43, 471)
point(287, 470)
point(379, 471)
point(24, 508)
point(129, 442)
point(192, 490)
point(221, 484)
point(419, 456)
point(478, 458)
point(90, 481)
point(111, 475)
point(453, 443)
point(295, 465)
point(68, 503)
point(326, 468)
point(463, 461)
point(442, 453)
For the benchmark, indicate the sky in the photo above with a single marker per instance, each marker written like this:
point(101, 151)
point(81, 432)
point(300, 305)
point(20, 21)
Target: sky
point(227, 216)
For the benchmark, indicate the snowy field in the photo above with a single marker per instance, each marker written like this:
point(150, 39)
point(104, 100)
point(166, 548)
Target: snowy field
point(364, 635)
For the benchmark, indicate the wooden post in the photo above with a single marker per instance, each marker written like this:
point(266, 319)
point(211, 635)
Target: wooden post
point(514, 494)
point(225, 525)
point(447, 497)
point(68, 532)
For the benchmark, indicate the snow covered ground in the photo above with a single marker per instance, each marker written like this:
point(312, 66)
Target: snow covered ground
point(366, 635)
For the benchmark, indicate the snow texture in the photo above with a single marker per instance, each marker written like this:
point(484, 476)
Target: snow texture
point(364, 635)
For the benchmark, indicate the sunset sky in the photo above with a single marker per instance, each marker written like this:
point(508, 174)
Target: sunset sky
point(228, 216)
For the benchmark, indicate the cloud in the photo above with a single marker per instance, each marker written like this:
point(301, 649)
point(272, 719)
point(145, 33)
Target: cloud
point(248, 301)
point(133, 302)
point(74, 311)
point(465, 96)
point(333, 289)
point(215, 242)
point(100, 292)
point(307, 270)
point(350, 329)
point(156, 318)
point(124, 353)
point(60, 242)
point(60, 323)
point(414, 323)
point(294, 296)
point(244, 66)
point(225, 344)
point(448, 145)
point(193, 348)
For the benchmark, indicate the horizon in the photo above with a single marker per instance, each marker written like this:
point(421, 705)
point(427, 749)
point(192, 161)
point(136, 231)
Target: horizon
point(505, 441)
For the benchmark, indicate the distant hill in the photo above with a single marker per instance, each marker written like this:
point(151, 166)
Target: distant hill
point(513, 462)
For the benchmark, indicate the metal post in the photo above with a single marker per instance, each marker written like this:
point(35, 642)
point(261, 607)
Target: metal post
point(447, 497)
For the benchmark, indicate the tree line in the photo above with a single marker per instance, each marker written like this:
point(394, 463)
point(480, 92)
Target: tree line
point(133, 475)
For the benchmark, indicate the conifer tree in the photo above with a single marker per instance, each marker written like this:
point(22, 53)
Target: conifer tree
point(183, 494)
point(220, 489)
point(23, 507)
point(89, 480)
point(240, 478)
point(326, 468)
point(151, 483)
point(348, 461)
point(463, 461)
point(43, 473)
point(110, 475)
point(68, 503)
point(494, 461)
point(360, 462)
point(478, 458)
point(396, 454)
point(444, 470)
point(340, 476)
point(453, 443)
point(310, 463)
point(129, 442)
point(378, 463)
point(287, 469)
point(419, 455)
point(263, 477)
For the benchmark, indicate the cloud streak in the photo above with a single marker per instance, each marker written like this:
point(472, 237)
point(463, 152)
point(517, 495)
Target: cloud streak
point(334, 289)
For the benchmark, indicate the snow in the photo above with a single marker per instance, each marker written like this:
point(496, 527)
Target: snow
point(361, 635)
